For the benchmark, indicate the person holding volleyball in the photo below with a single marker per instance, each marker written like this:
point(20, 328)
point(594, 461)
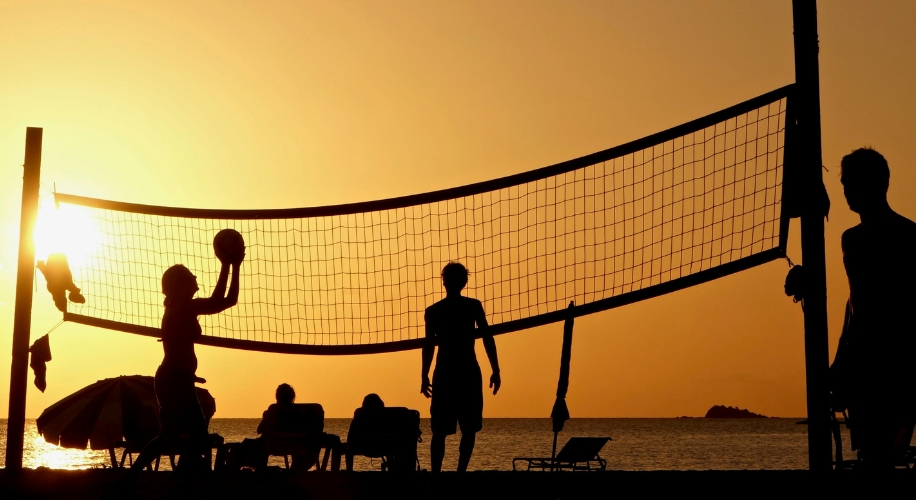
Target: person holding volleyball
point(179, 410)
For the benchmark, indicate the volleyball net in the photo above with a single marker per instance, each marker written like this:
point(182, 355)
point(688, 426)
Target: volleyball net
point(674, 209)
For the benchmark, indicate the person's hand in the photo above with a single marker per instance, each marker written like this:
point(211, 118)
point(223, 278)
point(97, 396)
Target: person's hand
point(224, 260)
point(495, 382)
point(426, 388)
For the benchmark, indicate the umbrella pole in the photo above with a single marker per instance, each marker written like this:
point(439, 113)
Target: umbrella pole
point(553, 455)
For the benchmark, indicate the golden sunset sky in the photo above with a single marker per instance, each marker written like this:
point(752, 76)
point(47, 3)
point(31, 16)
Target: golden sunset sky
point(272, 104)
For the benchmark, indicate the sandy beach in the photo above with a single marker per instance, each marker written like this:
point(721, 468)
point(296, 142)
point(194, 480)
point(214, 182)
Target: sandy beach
point(90, 484)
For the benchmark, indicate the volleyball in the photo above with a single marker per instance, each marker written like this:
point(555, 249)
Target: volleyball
point(229, 246)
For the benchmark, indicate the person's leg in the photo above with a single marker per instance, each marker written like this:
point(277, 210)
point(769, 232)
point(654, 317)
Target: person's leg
point(147, 455)
point(150, 452)
point(302, 462)
point(437, 451)
point(465, 448)
point(168, 434)
point(256, 453)
point(332, 444)
point(193, 458)
point(443, 421)
point(198, 444)
point(199, 436)
point(470, 419)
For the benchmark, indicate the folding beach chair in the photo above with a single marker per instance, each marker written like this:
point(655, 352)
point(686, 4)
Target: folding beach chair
point(131, 448)
point(300, 431)
point(579, 453)
point(390, 433)
point(906, 459)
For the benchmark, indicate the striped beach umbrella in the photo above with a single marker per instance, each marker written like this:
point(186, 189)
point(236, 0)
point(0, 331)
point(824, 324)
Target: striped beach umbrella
point(108, 411)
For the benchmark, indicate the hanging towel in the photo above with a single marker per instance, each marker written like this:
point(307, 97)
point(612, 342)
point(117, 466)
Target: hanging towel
point(41, 354)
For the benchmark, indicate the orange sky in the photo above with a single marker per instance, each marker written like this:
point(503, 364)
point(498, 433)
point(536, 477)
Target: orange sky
point(282, 104)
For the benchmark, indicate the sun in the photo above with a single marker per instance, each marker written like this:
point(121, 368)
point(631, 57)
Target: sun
point(64, 229)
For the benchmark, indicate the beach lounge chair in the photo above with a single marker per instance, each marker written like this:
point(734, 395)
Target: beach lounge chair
point(390, 434)
point(144, 426)
point(300, 432)
point(906, 459)
point(579, 453)
point(131, 448)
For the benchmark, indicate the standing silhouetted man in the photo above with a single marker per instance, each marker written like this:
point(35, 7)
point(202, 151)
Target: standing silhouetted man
point(457, 388)
point(872, 374)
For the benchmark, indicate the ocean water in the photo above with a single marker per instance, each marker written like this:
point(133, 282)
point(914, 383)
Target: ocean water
point(637, 443)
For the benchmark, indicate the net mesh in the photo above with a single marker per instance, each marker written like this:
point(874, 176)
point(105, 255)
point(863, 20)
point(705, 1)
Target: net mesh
point(691, 202)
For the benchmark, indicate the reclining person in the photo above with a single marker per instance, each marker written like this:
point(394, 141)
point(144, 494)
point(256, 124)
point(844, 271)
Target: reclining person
point(377, 431)
point(283, 417)
point(286, 396)
point(372, 401)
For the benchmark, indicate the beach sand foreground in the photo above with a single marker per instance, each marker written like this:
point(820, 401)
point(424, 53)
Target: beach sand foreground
point(103, 483)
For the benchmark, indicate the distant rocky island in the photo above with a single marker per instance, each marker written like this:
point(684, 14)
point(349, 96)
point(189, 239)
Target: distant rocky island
point(720, 411)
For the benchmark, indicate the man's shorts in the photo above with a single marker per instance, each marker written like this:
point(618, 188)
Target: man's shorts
point(457, 399)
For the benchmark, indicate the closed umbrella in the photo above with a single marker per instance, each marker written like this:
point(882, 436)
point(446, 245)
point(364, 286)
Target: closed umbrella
point(560, 413)
point(102, 414)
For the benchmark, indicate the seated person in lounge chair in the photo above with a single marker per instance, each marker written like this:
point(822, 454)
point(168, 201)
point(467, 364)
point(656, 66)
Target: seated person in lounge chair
point(387, 433)
point(284, 424)
point(372, 401)
point(286, 396)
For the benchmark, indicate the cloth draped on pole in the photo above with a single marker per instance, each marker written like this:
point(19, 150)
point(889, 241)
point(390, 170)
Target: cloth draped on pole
point(560, 413)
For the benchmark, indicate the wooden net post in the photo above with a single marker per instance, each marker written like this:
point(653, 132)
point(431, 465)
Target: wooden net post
point(19, 368)
point(816, 204)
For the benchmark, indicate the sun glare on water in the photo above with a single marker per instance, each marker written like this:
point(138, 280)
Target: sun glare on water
point(39, 453)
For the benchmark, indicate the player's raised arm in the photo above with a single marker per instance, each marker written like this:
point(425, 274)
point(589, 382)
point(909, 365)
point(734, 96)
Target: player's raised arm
point(230, 250)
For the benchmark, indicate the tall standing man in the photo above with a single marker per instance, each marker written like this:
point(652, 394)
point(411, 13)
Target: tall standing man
point(457, 388)
point(872, 371)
